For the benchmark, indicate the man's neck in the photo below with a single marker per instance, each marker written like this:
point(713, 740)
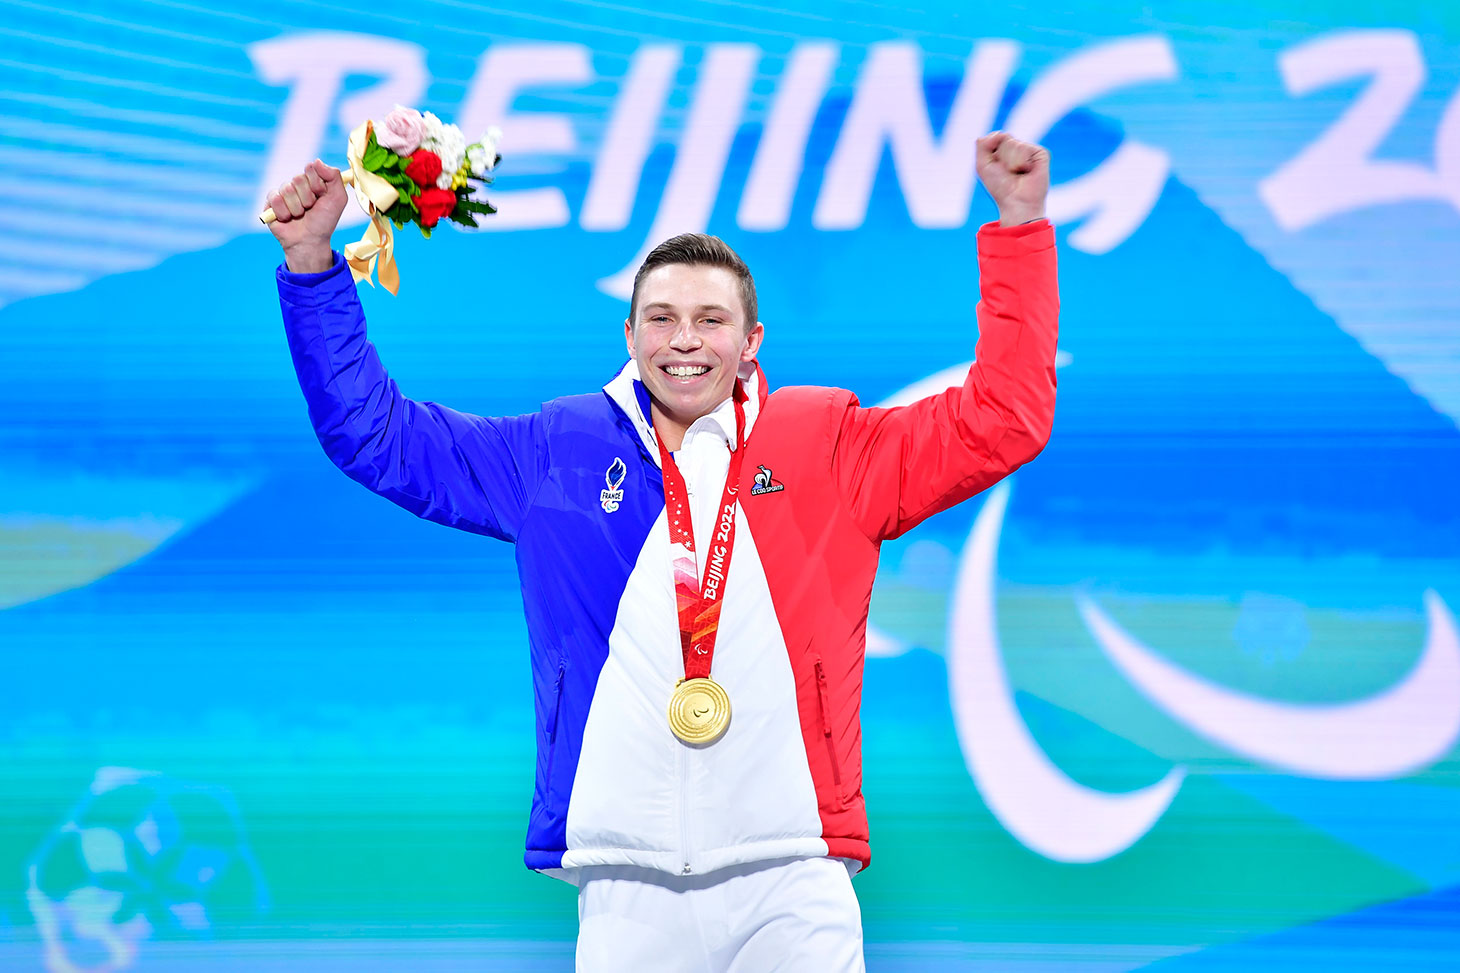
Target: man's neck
point(667, 428)
point(670, 432)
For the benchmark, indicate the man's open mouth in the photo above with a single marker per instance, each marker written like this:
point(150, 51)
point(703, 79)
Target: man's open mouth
point(686, 371)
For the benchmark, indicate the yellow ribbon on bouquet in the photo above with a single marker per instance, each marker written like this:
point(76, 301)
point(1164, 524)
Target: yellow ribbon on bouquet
point(376, 195)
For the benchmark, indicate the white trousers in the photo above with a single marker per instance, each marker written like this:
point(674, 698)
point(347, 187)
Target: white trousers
point(787, 916)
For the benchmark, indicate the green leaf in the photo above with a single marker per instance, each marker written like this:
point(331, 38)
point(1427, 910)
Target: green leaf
point(400, 214)
point(391, 159)
point(374, 157)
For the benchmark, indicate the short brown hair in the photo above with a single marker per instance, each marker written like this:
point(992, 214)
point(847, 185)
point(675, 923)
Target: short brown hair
point(699, 249)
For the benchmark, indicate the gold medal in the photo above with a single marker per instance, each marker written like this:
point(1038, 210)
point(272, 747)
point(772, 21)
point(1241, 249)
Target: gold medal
point(699, 710)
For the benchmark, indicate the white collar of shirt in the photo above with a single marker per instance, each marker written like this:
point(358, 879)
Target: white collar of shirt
point(722, 420)
point(720, 423)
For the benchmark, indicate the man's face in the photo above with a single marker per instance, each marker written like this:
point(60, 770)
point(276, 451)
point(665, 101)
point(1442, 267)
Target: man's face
point(690, 338)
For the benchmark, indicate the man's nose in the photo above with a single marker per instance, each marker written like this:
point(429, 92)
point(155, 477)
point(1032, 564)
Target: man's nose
point(685, 337)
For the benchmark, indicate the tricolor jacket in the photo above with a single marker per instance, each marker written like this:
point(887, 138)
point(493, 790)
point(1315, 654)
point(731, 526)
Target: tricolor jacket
point(614, 786)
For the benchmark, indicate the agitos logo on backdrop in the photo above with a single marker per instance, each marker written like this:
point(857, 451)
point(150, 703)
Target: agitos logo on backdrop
point(1403, 729)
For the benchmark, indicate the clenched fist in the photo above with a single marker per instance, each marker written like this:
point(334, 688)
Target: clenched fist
point(1016, 174)
point(307, 209)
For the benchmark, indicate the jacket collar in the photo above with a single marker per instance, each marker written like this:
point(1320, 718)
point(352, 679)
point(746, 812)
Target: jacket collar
point(629, 394)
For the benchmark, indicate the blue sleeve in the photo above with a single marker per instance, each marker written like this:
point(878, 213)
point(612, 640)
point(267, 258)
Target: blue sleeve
point(464, 471)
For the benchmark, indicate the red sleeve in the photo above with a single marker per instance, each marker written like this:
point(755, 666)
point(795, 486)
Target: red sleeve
point(896, 467)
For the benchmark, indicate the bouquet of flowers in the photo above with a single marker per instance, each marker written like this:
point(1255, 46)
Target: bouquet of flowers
point(430, 166)
point(412, 168)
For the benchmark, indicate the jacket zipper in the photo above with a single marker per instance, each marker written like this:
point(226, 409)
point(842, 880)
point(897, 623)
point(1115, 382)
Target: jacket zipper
point(824, 697)
point(683, 762)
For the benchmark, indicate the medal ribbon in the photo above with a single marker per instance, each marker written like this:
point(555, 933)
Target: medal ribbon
point(698, 603)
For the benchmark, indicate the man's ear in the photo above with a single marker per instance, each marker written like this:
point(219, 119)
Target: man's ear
point(629, 336)
point(752, 342)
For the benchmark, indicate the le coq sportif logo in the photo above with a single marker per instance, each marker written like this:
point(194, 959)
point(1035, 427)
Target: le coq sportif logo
point(765, 483)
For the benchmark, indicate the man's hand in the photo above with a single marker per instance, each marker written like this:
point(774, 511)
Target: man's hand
point(1016, 174)
point(307, 209)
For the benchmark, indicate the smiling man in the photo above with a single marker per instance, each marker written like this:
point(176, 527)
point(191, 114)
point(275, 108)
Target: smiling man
point(696, 554)
point(695, 308)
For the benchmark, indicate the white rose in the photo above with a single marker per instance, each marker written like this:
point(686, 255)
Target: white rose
point(451, 147)
point(479, 160)
point(483, 155)
point(431, 128)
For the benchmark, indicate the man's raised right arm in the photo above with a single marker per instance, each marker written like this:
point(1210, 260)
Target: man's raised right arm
point(464, 471)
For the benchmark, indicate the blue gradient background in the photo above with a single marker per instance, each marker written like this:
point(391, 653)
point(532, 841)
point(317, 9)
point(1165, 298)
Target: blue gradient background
point(1254, 467)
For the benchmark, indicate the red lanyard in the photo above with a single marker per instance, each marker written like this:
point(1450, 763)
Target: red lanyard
point(698, 603)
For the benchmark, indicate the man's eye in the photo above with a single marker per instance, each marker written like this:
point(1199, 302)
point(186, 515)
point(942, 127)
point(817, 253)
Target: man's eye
point(659, 318)
point(712, 320)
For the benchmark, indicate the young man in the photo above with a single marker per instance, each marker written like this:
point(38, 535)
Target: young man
point(696, 556)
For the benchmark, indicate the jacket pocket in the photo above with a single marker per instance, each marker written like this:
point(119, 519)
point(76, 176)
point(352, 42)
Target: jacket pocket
point(550, 719)
point(823, 695)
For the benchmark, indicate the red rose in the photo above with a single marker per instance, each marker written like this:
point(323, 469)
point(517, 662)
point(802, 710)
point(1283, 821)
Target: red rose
point(424, 167)
point(434, 203)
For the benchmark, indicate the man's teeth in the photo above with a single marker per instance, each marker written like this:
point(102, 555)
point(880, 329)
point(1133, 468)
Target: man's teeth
point(686, 371)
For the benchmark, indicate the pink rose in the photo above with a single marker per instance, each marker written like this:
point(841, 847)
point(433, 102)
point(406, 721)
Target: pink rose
point(401, 130)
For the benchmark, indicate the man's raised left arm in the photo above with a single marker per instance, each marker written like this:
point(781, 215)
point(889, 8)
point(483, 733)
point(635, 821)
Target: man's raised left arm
point(898, 466)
